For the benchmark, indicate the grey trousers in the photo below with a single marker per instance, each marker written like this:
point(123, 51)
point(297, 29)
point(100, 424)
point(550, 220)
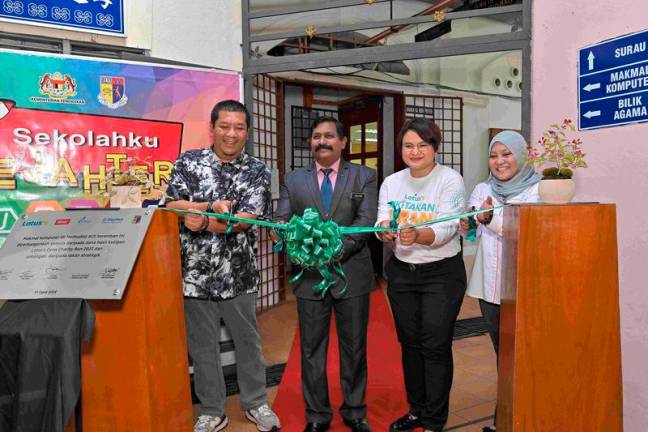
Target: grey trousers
point(203, 334)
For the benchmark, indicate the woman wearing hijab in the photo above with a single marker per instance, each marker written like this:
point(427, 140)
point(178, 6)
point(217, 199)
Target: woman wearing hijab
point(512, 180)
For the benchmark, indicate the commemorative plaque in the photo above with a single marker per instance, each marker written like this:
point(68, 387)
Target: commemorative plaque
point(73, 254)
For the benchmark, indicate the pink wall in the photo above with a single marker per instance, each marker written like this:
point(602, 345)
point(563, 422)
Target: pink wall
point(617, 158)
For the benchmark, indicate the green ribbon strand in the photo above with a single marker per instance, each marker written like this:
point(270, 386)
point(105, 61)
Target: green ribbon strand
point(229, 218)
point(316, 244)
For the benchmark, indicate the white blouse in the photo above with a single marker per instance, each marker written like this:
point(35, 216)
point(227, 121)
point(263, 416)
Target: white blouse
point(439, 194)
point(486, 278)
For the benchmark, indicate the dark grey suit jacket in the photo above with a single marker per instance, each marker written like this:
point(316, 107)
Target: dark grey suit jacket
point(354, 204)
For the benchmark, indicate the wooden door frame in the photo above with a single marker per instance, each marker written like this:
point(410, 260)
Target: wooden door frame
point(351, 115)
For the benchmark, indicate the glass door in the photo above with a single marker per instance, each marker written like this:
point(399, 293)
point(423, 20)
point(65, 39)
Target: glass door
point(361, 120)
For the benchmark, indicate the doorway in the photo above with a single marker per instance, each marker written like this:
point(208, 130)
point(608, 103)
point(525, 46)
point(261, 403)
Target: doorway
point(362, 120)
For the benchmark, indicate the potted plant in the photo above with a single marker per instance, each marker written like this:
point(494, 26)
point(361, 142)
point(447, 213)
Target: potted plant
point(563, 152)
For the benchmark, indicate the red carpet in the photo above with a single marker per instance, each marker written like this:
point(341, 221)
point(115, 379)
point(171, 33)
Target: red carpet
point(386, 399)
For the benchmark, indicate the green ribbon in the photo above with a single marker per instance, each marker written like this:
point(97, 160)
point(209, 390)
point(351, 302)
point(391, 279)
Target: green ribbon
point(375, 229)
point(229, 218)
point(316, 244)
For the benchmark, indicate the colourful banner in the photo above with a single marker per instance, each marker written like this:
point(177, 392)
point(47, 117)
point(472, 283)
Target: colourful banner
point(69, 125)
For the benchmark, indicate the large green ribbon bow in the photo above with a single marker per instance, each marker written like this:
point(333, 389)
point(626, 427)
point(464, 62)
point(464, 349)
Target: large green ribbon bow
point(314, 244)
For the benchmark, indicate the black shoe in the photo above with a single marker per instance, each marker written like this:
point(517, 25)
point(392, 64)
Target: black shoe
point(407, 423)
point(317, 427)
point(358, 425)
point(488, 429)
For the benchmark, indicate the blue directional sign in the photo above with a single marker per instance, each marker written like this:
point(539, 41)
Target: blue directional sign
point(613, 82)
point(96, 16)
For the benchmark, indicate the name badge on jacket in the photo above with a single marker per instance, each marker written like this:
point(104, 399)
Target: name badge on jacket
point(357, 195)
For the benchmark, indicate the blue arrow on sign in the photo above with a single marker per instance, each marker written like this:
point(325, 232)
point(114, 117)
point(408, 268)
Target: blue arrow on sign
point(614, 53)
point(622, 80)
point(614, 111)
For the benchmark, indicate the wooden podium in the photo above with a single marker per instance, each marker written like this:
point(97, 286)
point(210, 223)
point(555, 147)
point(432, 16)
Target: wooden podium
point(135, 374)
point(560, 359)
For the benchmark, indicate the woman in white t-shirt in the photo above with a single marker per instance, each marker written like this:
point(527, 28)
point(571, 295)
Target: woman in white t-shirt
point(427, 278)
point(512, 180)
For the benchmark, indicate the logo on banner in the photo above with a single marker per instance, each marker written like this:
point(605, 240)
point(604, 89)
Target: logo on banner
point(58, 88)
point(65, 221)
point(112, 91)
point(34, 223)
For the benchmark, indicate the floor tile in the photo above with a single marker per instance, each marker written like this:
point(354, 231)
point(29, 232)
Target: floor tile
point(460, 400)
point(478, 411)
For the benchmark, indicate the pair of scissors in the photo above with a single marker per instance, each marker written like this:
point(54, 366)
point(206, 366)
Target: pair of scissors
point(230, 223)
point(471, 234)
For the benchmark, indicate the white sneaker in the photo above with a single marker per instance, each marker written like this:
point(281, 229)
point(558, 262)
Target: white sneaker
point(207, 423)
point(264, 418)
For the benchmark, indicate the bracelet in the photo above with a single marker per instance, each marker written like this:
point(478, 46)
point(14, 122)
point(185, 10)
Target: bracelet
point(205, 224)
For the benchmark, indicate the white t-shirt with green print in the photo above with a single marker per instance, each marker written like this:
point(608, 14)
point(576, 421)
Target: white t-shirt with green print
point(439, 194)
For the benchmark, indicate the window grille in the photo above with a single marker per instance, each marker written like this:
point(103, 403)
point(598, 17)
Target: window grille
point(447, 113)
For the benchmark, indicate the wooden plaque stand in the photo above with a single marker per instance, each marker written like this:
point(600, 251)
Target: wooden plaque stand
point(560, 358)
point(135, 373)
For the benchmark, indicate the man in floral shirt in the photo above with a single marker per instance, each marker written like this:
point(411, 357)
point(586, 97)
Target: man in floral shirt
point(220, 270)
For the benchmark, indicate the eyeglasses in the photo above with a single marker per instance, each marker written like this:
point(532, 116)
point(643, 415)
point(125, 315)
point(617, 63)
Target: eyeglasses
point(422, 147)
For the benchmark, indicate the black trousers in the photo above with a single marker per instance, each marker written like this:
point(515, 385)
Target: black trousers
point(351, 319)
point(425, 301)
point(491, 314)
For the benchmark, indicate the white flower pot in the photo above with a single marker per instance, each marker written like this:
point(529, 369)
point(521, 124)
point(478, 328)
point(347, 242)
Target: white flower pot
point(557, 191)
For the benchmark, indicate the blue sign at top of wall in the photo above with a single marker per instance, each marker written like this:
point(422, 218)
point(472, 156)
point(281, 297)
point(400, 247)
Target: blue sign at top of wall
point(97, 16)
point(613, 82)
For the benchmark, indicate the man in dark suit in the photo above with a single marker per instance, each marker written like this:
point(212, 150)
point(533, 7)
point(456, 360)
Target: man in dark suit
point(345, 193)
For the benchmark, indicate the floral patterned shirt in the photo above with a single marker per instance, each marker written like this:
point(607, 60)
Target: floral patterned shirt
point(220, 266)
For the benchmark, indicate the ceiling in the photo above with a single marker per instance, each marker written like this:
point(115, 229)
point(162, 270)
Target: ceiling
point(422, 71)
